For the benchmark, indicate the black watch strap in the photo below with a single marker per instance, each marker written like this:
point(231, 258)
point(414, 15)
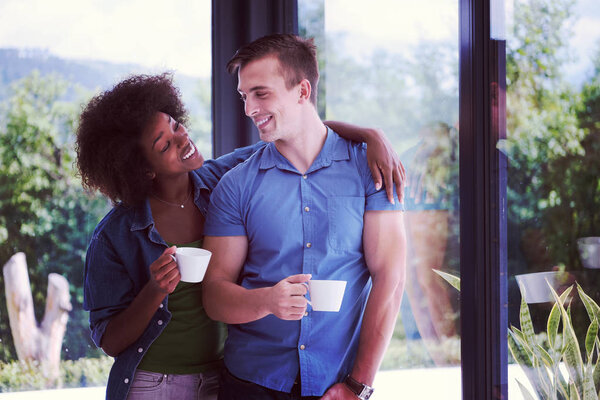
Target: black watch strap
point(362, 391)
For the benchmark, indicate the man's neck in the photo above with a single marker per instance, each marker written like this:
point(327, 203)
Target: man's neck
point(302, 149)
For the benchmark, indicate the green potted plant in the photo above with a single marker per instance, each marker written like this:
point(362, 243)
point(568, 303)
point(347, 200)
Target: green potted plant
point(556, 368)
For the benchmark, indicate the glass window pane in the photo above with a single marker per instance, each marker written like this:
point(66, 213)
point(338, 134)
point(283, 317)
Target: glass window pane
point(553, 196)
point(53, 57)
point(394, 65)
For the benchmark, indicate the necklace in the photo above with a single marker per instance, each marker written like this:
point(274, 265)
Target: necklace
point(174, 204)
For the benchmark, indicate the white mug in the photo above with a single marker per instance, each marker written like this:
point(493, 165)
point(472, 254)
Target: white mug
point(192, 263)
point(326, 295)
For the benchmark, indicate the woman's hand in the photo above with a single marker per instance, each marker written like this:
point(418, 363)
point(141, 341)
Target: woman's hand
point(383, 160)
point(164, 274)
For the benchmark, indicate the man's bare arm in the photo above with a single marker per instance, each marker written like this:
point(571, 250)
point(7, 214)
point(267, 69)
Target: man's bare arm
point(225, 300)
point(385, 253)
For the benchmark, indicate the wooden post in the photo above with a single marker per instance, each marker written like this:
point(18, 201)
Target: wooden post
point(42, 343)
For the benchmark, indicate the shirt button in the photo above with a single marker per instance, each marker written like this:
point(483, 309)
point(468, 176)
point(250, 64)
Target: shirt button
point(126, 380)
point(308, 245)
point(161, 305)
point(140, 350)
point(160, 322)
point(307, 209)
point(302, 347)
point(304, 176)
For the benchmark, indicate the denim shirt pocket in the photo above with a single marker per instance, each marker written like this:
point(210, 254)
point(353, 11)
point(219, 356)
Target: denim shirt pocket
point(345, 215)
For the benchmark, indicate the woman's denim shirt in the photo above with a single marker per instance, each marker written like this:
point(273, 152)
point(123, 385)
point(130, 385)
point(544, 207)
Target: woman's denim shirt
point(121, 249)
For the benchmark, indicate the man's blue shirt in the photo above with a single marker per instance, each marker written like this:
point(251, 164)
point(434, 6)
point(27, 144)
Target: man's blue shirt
point(121, 249)
point(296, 223)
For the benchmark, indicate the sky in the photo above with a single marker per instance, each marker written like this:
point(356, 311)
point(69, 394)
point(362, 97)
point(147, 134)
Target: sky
point(176, 34)
point(157, 34)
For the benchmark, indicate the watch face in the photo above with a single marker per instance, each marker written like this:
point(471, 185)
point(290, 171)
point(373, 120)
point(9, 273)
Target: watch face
point(366, 393)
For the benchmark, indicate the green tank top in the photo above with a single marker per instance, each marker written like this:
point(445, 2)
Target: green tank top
point(191, 342)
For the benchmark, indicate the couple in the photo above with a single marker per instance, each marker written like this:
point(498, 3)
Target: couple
point(301, 203)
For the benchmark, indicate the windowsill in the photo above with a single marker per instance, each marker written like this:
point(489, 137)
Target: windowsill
point(416, 383)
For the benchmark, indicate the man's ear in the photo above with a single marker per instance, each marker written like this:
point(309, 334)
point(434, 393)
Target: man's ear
point(305, 90)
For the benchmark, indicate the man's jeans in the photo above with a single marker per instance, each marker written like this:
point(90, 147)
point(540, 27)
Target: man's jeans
point(156, 386)
point(233, 388)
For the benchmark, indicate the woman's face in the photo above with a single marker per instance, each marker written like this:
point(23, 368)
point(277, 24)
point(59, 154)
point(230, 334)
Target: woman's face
point(168, 148)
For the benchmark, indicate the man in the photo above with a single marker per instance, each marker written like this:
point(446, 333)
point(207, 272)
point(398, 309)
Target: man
point(305, 206)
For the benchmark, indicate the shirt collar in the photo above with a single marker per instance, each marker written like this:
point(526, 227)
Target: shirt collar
point(334, 149)
point(142, 214)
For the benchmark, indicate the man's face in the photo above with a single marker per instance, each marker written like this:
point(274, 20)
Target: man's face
point(274, 109)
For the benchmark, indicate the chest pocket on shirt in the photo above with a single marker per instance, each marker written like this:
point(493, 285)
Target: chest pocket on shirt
point(345, 216)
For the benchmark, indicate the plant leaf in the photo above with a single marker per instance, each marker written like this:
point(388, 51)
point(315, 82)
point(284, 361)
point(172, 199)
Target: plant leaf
point(589, 389)
point(526, 394)
point(591, 306)
point(590, 338)
point(526, 324)
point(596, 373)
point(528, 364)
point(545, 357)
point(451, 279)
point(572, 355)
point(522, 340)
point(573, 393)
point(519, 354)
point(554, 319)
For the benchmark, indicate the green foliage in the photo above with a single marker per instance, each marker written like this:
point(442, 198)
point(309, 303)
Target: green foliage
point(541, 360)
point(19, 376)
point(552, 140)
point(542, 365)
point(453, 280)
point(43, 210)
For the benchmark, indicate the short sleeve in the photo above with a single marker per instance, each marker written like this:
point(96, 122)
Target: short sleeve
point(225, 211)
point(375, 199)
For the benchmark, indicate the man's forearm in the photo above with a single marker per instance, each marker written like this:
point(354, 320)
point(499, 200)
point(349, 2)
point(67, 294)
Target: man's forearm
point(378, 325)
point(233, 304)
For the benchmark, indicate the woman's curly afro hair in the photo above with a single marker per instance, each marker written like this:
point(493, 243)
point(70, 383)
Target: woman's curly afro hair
point(109, 153)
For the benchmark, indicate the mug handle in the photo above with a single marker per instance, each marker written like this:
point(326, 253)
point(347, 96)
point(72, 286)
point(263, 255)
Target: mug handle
point(308, 290)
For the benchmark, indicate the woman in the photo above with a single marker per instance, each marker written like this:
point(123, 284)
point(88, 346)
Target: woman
point(132, 145)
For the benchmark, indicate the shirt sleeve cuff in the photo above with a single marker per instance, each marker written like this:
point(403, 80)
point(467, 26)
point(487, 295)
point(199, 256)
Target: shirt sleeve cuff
point(98, 331)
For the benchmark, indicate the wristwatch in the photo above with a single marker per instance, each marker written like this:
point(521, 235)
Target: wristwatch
point(362, 391)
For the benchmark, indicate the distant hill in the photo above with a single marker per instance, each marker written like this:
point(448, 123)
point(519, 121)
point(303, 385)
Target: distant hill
point(93, 75)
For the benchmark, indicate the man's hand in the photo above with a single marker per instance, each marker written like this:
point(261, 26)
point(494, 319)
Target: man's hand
point(286, 299)
point(164, 274)
point(339, 391)
point(382, 159)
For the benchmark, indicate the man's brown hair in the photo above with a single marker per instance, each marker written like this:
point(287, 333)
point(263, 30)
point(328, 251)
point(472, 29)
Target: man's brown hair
point(297, 58)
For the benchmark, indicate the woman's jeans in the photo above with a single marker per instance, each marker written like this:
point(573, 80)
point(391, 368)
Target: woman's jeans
point(156, 386)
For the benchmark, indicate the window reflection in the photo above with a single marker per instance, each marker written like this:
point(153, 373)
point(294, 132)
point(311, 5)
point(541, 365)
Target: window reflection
point(394, 65)
point(553, 199)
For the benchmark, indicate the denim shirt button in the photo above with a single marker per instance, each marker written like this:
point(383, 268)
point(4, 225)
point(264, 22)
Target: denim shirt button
point(126, 380)
point(161, 305)
point(140, 350)
point(160, 322)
